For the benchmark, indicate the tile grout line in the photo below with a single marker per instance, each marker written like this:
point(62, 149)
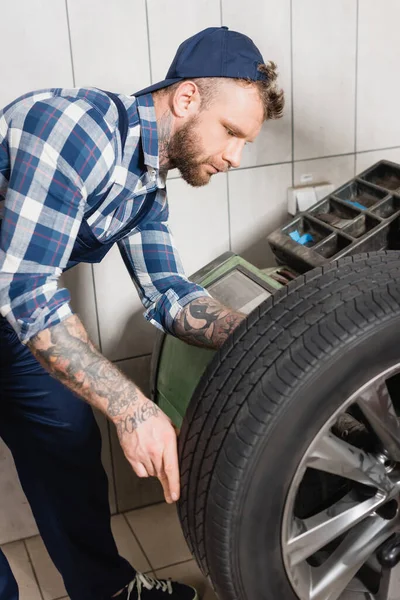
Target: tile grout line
point(96, 308)
point(291, 84)
point(229, 214)
point(148, 41)
point(33, 569)
point(70, 44)
point(118, 360)
point(138, 541)
point(182, 562)
point(300, 160)
point(356, 87)
point(114, 479)
point(74, 84)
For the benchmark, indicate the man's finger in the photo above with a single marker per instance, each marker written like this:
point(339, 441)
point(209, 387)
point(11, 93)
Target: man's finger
point(140, 470)
point(171, 470)
point(164, 482)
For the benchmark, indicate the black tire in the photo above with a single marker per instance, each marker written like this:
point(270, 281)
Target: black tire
point(263, 398)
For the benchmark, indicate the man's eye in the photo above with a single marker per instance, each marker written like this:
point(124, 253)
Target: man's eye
point(229, 131)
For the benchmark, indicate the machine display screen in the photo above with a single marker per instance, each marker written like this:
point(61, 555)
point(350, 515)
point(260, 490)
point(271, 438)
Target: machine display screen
point(238, 291)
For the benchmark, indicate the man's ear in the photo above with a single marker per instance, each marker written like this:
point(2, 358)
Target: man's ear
point(185, 101)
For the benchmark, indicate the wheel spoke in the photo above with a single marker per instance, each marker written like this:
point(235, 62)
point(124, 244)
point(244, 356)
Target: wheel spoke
point(331, 579)
point(377, 406)
point(317, 531)
point(336, 456)
point(389, 585)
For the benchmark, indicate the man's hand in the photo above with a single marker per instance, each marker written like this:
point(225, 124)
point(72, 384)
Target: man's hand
point(146, 434)
point(149, 442)
point(205, 322)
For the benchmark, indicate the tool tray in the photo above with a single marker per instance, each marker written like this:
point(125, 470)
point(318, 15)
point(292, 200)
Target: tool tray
point(362, 215)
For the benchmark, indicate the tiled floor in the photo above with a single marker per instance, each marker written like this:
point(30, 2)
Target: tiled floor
point(150, 538)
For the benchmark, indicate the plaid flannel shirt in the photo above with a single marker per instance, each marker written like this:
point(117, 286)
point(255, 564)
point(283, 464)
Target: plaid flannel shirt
point(60, 150)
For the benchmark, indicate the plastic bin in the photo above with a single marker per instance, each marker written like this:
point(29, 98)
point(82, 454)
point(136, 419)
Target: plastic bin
point(362, 215)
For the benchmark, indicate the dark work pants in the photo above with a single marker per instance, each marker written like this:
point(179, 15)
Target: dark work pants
point(56, 446)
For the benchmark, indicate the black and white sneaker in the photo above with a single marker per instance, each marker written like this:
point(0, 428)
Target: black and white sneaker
point(144, 587)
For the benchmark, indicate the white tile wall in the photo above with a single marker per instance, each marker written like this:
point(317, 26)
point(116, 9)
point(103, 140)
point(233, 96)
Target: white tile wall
point(173, 21)
point(257, 200)
point(199, 221)
point(270, 31)
point(133, 492)
point(109, 44)
point(124, 45)
point(123, 330)
point(106, 457)
point(324, 62)
point(35, 47)
point(79, 282)
point(367, 159)
point(378, 122)
point(336, 170)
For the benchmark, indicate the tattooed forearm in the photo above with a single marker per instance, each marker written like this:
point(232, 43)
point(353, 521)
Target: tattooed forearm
point(66, 351)
point(131, 421)
point(206, 322)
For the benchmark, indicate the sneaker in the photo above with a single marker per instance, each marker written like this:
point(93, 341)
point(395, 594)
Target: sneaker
point(144, 587)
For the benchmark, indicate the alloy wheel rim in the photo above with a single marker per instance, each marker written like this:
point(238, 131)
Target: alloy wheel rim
point(324, 551)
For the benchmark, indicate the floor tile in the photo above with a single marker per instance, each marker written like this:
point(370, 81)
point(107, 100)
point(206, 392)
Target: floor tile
point(16, 518)
point(127, 544)
point(17, 557)
point(159, 533)
point(50, 580)
point(190, 574)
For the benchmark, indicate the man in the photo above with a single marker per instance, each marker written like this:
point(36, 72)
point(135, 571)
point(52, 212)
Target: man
point(80, 170)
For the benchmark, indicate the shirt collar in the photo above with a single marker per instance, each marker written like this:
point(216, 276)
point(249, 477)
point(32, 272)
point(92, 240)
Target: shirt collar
point(148, 130)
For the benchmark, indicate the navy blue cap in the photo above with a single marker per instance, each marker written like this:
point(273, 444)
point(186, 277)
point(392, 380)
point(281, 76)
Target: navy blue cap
point(213, 52)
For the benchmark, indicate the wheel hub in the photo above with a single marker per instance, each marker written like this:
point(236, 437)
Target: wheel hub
point(352, 544)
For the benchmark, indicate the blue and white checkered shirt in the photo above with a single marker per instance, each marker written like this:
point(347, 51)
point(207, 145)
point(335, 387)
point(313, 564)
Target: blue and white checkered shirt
point(60, 150)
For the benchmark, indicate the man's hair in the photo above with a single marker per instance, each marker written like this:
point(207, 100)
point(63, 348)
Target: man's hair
point(272, 97)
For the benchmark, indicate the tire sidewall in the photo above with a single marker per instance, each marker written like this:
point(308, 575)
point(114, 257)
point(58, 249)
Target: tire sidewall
point(256, 523)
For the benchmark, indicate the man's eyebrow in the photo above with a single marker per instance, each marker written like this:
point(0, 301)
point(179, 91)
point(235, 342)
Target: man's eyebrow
point(236, 130)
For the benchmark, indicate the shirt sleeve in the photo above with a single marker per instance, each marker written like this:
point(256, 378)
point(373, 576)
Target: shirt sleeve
point(156, 269)
point(60, 151)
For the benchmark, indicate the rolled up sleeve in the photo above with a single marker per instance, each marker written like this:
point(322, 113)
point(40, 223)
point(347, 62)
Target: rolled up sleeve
point(59, 151)
point(157, 271)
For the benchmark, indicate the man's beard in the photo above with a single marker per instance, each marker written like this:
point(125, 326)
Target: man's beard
point(184, 149)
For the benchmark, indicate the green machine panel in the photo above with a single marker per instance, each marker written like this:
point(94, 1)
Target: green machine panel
point(177, 367)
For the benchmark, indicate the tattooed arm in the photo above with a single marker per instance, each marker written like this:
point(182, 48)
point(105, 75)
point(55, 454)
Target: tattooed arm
point(67, 352)
point(146, 434)
point(205, 322)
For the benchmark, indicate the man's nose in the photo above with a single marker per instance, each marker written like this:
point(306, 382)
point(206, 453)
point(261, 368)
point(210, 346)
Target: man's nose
point(233, 153)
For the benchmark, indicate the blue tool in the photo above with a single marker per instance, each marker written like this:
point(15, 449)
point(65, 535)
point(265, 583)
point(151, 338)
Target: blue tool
point(356, 204)
point(301, 239)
